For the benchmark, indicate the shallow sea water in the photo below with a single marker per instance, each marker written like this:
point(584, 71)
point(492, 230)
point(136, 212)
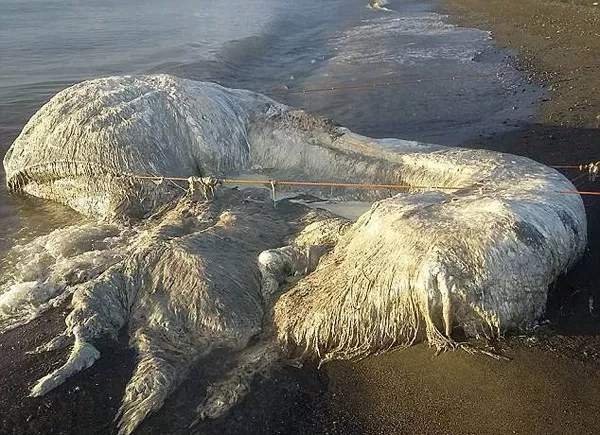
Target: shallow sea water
point(278, 48)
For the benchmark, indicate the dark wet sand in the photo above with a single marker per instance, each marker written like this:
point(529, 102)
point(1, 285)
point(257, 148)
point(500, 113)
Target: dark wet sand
point(538, 392)
point(551, 384)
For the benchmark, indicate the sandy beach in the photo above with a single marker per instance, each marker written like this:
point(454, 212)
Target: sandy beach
point(550, 380)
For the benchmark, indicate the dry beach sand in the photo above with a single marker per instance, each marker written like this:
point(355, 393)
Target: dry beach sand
point(549, 386)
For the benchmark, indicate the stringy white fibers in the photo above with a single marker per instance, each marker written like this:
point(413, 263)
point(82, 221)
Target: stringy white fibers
point(185, 274)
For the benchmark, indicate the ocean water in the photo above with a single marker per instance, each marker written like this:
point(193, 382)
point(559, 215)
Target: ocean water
point(447, 84)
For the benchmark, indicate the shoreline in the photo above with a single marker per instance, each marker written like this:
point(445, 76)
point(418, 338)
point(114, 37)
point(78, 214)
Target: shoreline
point(550, 384)
point(558, 44)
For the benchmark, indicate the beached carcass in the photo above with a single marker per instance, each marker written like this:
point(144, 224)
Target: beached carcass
point(473, 244)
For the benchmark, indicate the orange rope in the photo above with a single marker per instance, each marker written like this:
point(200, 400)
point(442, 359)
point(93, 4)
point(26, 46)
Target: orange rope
point(331, 184)
point(579, 192)
point(304, 183)
point(582, 168)
point(156, 177)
